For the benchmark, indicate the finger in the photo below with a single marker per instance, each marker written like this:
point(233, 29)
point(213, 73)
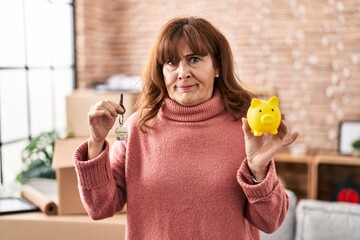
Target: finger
point(246, 127)
point(290, 140)
point(93, 115)
point(100, 113)
point(110, 107)
point(118, 108)
point(283, 129)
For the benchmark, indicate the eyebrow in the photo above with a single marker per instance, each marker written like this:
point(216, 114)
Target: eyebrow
point(195, 54)
point(190, 55)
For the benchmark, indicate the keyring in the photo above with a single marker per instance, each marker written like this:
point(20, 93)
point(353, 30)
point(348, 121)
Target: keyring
point(121, 131)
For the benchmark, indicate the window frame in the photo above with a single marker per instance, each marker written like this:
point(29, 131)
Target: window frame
point(53, 68)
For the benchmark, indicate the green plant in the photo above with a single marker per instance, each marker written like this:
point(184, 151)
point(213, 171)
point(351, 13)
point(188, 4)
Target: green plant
point(356, 144)
point(37, 158)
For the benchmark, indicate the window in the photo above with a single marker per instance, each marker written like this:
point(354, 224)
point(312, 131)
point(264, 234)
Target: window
point(36, 73)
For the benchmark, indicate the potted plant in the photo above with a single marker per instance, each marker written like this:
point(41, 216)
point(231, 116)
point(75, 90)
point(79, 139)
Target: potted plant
point(37, 158)
point(356, 148)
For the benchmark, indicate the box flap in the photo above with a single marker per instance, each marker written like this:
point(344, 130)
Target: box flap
point(80, 101)
point(64, 150)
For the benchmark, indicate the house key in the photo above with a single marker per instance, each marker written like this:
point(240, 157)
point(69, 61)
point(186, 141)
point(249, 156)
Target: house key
point(121, 132)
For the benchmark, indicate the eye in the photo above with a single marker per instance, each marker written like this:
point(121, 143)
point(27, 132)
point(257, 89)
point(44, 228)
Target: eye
point(170, 62)
point(260, 110)
point(194, 59)
point(272, 109)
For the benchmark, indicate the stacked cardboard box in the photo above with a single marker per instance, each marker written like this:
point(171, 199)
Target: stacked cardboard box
point(34, 226)
point(68, 195)
point(80, 101)
point(78, 105)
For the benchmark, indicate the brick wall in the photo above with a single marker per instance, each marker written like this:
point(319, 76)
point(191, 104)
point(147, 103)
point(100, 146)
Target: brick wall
point(309, 51)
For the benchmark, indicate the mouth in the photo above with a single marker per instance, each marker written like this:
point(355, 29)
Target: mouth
point(186, 87)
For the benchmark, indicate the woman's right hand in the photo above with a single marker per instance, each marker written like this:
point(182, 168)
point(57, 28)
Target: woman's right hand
point(101, 119)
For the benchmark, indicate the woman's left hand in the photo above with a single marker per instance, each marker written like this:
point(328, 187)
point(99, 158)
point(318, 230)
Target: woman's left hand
point(260, 150)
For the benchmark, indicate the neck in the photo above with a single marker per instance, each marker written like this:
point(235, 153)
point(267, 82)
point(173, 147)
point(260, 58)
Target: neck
point(206, 110)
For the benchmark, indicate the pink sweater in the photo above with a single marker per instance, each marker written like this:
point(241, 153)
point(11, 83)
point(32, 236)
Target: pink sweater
point(185, 179)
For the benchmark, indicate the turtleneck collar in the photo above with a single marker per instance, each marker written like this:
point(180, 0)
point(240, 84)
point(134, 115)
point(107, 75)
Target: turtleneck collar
point(206, 110)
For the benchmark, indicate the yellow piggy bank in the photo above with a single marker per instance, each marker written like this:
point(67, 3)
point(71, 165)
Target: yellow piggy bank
point(264, 116)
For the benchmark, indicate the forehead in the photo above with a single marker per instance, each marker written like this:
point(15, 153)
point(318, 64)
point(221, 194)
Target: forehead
point(184, 49)
point(176, 46)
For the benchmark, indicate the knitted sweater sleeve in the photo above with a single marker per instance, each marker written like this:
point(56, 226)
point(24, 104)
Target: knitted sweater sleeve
point(267, 202)
point(101, 183)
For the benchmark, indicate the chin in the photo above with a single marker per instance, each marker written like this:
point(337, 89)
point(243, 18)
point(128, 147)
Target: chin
point(186, 103)
point(189, 99)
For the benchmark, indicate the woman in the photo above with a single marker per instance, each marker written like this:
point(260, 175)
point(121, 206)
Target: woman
point(190, 168)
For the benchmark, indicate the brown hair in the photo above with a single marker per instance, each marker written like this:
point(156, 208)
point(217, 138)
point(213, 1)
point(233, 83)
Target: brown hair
point(203, 39)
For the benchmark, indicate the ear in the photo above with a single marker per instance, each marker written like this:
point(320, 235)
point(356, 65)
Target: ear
point(255, 102)
point(217, 72)
point(274, 101)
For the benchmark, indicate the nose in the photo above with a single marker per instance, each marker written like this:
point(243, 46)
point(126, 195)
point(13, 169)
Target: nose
point(184, 71)
point(267, 119)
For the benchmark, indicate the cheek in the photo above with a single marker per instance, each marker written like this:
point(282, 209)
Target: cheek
point(169, 78)
point(208, 80)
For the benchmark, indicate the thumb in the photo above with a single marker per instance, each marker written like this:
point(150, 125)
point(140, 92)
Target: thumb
point(289, 140)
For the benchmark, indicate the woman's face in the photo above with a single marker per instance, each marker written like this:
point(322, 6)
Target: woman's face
point(190, 81)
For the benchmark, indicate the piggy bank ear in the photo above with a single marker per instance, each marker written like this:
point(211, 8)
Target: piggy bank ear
point(274, 101)
point(255, 102)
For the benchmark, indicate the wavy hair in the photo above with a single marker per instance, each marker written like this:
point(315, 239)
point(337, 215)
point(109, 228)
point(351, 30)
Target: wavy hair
point(203, 39)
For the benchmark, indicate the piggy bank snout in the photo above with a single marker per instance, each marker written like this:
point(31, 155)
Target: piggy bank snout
point(267, 119)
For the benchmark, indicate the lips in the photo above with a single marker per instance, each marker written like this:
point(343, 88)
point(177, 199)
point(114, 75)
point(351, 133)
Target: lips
point(186, 87)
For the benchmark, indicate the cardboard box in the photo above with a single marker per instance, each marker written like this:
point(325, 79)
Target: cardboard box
point(38, 226)
point(68, 194)
point(80, 101)
point(78, 105)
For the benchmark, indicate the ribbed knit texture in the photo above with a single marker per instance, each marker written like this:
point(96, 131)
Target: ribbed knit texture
point(187, 178)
